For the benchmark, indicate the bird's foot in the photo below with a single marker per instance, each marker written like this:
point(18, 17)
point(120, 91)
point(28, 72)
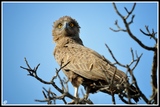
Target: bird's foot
point(76, 101)
point(86, 97)
point(72, 102)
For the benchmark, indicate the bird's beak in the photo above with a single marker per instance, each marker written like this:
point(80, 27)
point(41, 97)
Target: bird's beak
point(66, 26)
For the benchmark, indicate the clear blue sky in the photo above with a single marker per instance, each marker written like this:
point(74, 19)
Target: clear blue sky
point(27, 32)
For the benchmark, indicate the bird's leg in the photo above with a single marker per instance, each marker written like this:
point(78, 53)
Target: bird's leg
point(76, 92)
point(75, 95)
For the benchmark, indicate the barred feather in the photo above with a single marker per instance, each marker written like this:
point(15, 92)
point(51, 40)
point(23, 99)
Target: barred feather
point(86, 66)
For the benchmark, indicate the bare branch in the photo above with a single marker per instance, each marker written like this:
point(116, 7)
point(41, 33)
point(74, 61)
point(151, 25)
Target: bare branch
point(32, 72)
point(136, 39)
point(153, 35)
point(154, 66)
point(57, 71)
point(128, 29)
point(122, 99)
point(113, 98)
point(134, 60)
point(131, 73)
point(154, 78)
point(129, 13)
point(137, 61)
point(131, 20)
point(114, 5)
point(119, 28)
point(113, 56)
point(141, 94)
point(50, 95)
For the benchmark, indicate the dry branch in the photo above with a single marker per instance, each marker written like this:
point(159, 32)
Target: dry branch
point(124, 18)
point(153, 98)
point(130, 70)
point(49, 95)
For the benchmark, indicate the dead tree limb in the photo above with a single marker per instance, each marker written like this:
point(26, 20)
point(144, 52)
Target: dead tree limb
point(130, 70)
point(124, 18)
point(49, 96)
point(152, 35)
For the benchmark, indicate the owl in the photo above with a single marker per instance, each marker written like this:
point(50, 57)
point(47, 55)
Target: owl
point(85, 66)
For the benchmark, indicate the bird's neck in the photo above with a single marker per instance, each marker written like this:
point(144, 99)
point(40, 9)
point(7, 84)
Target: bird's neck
point(68, 40)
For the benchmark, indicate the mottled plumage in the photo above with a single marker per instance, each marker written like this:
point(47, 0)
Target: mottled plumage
point(86, 66)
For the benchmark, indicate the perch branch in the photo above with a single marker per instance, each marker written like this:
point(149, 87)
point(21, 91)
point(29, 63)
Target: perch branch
point(33, 73)
point(50, 95)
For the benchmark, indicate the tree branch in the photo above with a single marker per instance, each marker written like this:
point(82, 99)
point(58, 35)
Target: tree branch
point(129, 13)
point(153, 98)
point(50, 95)
point(114, 57)
point(151, 35)
point(128, 29)
point(154, 79)
point(134, 81)
point(33, 73)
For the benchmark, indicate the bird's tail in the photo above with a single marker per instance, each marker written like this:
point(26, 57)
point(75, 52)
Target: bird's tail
point(132, 92)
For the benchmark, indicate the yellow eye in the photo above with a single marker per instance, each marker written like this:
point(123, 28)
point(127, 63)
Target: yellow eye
point(71, 24)
point(60, 25)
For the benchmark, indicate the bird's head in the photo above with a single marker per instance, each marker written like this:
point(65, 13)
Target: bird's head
point(65, 27)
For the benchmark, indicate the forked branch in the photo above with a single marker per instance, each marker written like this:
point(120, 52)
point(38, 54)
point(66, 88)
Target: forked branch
point(127, 28)
point(152, 35)
point(130, 70)
point(51, 97)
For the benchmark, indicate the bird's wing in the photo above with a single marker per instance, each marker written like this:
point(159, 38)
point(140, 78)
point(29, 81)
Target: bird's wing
point(86, 62)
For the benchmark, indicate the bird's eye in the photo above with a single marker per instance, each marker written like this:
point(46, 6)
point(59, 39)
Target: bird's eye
point(71, 25)
point(60, 25)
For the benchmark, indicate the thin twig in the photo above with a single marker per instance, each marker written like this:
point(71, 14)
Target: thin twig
point(129, 13)
point(128, 29)
point(33, 73)
point(153, 35)
point(113, 98)
point(57, 71)
point(113, 56)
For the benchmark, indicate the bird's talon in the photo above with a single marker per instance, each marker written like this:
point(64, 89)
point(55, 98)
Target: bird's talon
point(72, 102)
point(76, 101)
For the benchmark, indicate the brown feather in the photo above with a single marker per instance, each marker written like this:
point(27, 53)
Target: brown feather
point(86, 66)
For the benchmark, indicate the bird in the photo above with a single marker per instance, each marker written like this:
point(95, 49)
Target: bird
point(84, 66)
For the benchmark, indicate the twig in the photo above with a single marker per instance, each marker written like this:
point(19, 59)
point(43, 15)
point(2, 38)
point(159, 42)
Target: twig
point(57, 71)
point(128, 29)
point(113, 98)
point(153, 35)
point(119, 28)
point(130, 71)
point(50, 95)
point(154, 49)
point(122, 99)
point(129, 13)
point(113, 56)
point(33, 73)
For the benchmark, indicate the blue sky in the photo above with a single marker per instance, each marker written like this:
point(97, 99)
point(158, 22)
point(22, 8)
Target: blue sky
point(27, 32)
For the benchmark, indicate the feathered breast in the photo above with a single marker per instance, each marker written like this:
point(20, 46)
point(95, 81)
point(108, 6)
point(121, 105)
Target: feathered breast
point(86, 63)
